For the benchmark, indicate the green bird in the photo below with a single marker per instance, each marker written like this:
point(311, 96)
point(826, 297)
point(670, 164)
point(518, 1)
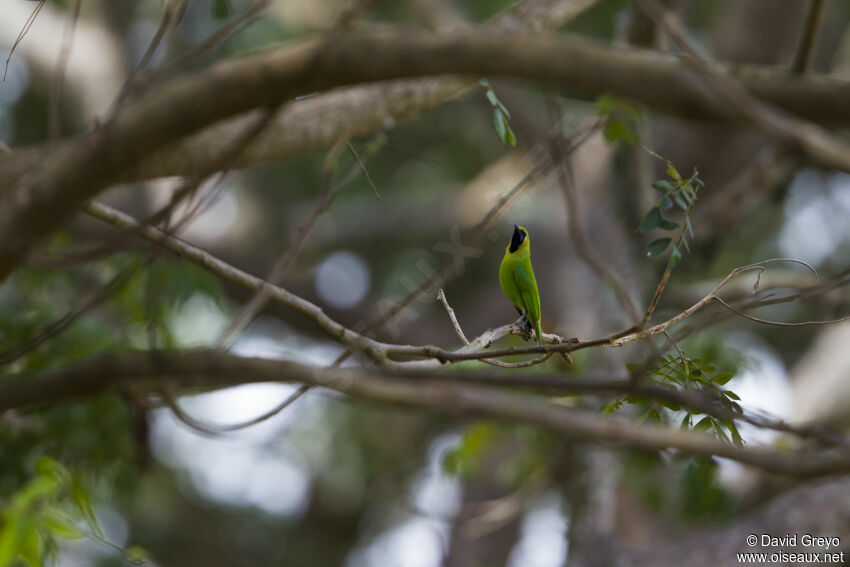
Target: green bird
point(517, 279)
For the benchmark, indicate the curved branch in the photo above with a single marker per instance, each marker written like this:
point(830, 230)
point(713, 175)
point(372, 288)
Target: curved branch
point(212, 369)
point(42, 197)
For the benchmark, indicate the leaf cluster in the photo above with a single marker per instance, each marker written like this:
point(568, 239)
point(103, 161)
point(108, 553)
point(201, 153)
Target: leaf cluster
point(623, 120)
point(54, 505)
point(682, 372)
point(676, 191)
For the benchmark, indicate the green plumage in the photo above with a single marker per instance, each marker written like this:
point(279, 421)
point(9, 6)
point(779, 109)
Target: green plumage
point(517, 279)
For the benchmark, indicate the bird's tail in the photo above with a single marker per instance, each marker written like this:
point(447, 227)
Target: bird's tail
point(539, 332)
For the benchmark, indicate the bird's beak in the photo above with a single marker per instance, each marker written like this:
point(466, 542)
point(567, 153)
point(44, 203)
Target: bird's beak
point(516, 231)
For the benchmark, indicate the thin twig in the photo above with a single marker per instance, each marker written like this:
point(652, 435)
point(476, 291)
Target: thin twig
point(23, 33)
point(169, 396)
point(363, 170)
point(809, 40)
point(55, 328)
point(145, 78)
point(54, 111)
point(778, 323)
point(172, 11)
point(441, 295)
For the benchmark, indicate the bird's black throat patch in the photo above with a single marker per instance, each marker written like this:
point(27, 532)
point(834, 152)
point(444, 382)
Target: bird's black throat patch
point(516, 240)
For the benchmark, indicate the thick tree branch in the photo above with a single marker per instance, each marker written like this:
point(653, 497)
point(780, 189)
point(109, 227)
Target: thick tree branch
point(212, 369)
point(42, 197)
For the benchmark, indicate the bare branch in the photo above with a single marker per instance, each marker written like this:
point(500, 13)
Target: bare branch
point(22, 34)
point(441, 295)
point(53, 116)
point(778, 323)
point(808, 41)
point(210, 369)
point(815, 140)
point(169, 396)
point(145, 78)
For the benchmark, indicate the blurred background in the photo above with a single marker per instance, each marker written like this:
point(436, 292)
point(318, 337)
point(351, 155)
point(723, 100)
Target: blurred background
point(336, 481)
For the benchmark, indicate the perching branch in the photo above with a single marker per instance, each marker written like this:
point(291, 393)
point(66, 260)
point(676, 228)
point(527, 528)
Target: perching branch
point(441, 295)
point(384, 353)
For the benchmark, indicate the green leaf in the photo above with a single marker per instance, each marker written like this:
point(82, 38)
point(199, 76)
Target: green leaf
point(11, 533)
point(511, 138)
point(503, 128)
point(605, 104)
point(491, 96)
point(673, 172)
point(499, 124)
point(651, 221)
point(732, 395)
point(31, 549)
point(686, 422)
point(736, 435)
point(221, 9)
point(718, 430)
point(657, 247)
point(60, 526)
point(611, 406)
point(663, 186)
point(81, 498)
point(668, 224)
point(136, 555)
point(675, 257)
point(617, 130)
point(680, 201)
point(703, 425)
point(722, 378)
point(665, 202)
point(699, 182)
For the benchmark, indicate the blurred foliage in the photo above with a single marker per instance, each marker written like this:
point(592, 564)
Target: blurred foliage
point(54, 505)
point(529, 453)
